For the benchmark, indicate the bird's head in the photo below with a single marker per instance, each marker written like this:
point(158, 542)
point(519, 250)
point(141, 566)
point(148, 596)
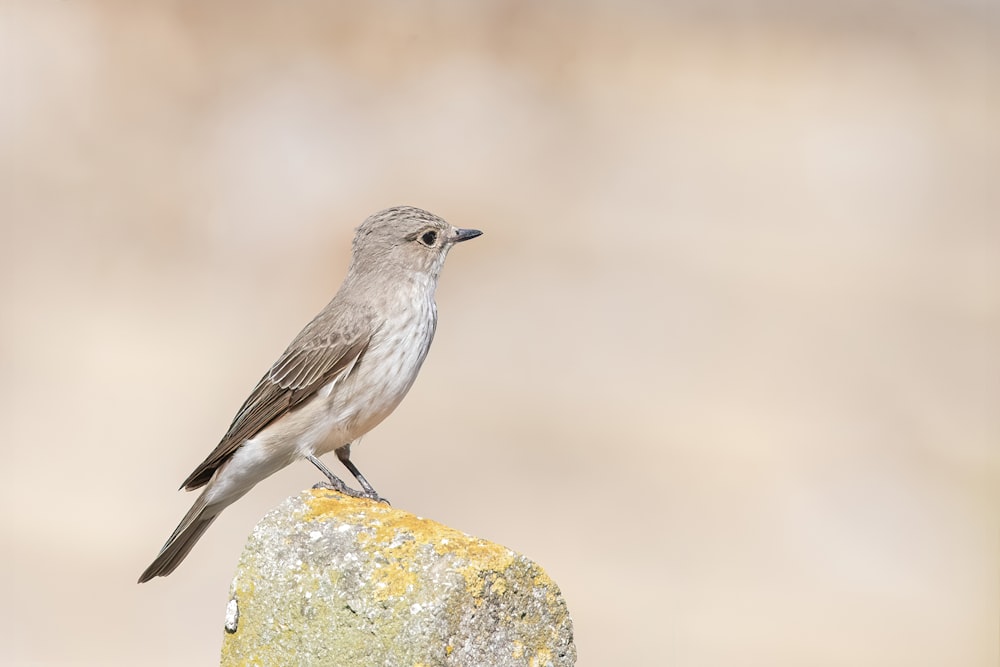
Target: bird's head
point(405, 238)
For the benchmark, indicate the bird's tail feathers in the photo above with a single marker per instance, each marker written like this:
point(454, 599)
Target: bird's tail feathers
point(190, 529)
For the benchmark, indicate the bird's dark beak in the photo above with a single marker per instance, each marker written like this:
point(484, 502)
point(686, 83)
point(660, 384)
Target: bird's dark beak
point(465, 235)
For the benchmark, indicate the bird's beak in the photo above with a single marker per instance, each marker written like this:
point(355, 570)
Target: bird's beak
point(464, 235)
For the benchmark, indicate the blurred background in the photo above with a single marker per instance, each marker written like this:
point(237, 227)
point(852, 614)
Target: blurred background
point(726, 361)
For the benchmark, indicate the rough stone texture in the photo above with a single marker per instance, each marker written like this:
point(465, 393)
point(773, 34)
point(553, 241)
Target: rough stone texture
point(330, 580)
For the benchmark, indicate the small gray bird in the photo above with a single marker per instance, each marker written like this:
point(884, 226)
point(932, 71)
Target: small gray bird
point(341, 376)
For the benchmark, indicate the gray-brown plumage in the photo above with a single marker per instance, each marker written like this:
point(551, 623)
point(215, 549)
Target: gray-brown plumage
point(342, 375)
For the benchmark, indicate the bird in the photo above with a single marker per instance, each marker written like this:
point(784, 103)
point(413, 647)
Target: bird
point(343, 374)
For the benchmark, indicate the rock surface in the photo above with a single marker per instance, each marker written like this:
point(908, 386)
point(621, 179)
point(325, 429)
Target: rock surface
point(330, 580)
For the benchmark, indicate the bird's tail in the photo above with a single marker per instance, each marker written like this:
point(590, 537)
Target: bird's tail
point(191, 528)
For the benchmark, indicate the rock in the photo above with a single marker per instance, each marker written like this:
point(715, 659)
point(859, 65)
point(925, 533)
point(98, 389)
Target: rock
point(326, 579)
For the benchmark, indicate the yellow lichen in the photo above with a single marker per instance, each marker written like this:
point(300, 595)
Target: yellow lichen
point(393, 532)
point(543, 657)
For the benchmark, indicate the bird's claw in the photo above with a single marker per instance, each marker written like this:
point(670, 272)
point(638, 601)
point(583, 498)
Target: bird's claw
point(348, 491)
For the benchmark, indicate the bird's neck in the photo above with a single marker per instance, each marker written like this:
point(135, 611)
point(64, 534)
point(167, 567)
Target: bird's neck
point(394, 281)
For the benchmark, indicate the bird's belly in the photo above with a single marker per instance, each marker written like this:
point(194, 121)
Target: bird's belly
point(359, 402)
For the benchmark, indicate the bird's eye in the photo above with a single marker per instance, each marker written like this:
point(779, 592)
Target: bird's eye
point(429, 238)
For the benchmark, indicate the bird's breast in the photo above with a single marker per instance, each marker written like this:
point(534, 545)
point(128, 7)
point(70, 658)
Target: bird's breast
point(384, 373)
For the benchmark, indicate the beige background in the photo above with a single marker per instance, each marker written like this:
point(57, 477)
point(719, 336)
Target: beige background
point(726, 361)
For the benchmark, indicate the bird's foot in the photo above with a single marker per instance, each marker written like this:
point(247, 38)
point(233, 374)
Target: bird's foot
point(376, 497)
point(340, 487)
point(337, 484)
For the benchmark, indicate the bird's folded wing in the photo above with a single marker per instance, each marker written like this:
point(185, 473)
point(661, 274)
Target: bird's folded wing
point(301, 371)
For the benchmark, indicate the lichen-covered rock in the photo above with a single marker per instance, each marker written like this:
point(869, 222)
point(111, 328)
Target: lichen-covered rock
point(330, 580)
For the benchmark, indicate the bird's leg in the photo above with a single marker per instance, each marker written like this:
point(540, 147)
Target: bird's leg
point(335, 482)
point(344, 454)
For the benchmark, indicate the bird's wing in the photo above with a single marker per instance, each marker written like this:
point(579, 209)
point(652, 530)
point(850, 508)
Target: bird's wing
point(300, 372)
